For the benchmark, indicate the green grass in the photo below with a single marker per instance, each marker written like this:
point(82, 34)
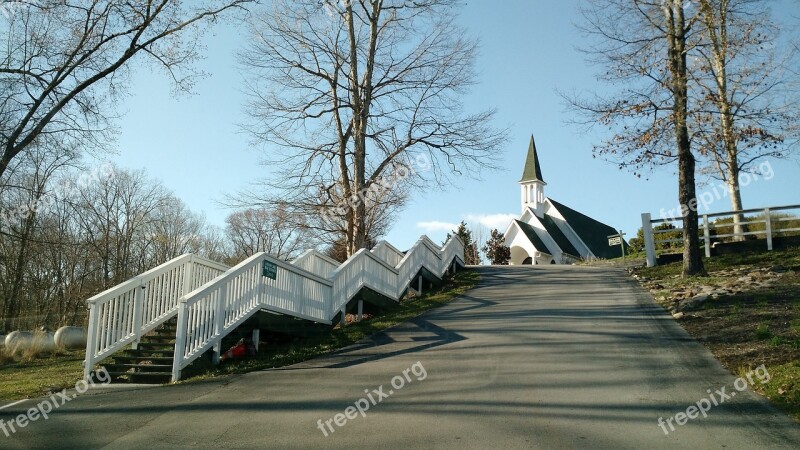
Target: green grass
point(19, 380)
point(762, 332)
point(752, 323)
point(783, 388)
point(788, 258)
point(313, 346)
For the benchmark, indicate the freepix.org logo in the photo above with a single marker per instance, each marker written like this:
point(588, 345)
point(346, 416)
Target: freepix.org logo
point(43, 409)
point(10, 7)
point(335, 7)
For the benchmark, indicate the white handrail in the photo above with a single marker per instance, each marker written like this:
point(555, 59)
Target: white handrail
point(121, 315)
point(316, 263)
point(209, 313)
point(311, 287)
point(210, 299)
point(388, 253)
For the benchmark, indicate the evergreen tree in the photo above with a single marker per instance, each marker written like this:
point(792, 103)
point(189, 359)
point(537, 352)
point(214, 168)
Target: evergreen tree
point(496, 250)
point(471, 255)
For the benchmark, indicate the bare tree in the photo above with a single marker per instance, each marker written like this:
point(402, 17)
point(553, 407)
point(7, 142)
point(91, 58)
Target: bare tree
point(64, 62)
point(351, 92)
point(643, 47)
point(67, 233)
point(24, 194)
point(265, 230)
point(175, 230)
point(115, 216)
point(747, 104)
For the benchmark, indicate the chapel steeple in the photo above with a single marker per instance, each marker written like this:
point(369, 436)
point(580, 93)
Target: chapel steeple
point(532, 183)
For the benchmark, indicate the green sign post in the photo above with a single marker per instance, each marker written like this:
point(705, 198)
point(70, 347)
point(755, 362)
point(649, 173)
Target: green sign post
point(617, 239)
point(269, 269)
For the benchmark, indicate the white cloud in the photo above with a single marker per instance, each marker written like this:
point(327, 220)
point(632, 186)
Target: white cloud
point(436, 225)
point(491, 221)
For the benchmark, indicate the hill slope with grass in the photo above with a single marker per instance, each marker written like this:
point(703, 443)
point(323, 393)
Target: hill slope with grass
point(746, 311)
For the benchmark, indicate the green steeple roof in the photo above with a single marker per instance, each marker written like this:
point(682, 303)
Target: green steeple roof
point(533, 170)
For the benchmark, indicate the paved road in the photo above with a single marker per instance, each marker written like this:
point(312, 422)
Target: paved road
point(550, 357)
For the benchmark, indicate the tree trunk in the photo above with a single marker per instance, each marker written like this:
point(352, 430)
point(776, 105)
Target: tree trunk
point(736, 204)
point(676, 38)
point(13, 302)
point(717, 30)
point(361, 93)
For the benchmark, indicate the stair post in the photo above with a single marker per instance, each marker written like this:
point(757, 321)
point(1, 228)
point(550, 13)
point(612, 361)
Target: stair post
point(91, 341)
point(256, 337)
point(219, 323)
point(360, 309)
point(188, 272)
point(180, 342)
point(138, 312)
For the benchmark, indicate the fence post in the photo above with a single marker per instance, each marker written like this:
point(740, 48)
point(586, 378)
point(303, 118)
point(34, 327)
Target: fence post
point(649, 243)
point(707, 235)
point(768, 222)
point(138, 312)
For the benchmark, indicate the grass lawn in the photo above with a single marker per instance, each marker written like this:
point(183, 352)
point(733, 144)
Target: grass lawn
point(51, 373)
point(44, 374)
point(752, 325)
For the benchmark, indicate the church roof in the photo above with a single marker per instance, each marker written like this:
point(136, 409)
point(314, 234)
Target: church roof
point(533, 170)
point(561, 240)
point(530, 232)
point(592, 232)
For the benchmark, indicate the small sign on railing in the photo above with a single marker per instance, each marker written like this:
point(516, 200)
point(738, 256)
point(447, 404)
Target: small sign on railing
point(269, 269)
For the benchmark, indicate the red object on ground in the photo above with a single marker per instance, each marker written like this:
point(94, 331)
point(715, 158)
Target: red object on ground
point(237, 351)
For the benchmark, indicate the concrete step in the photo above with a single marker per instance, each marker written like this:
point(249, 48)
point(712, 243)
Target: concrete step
point(140, 377)
point(155, 346)
point(149, 368)
point(161, 359)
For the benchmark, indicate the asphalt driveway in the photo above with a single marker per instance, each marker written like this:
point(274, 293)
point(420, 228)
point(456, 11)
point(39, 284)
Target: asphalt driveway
point(534, 357)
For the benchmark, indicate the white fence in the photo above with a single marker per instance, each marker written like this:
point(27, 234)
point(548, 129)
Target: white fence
point(211, 300)
point(121, 315)
point(770, 218)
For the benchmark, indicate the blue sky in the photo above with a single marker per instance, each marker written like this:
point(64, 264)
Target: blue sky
point(528, 52)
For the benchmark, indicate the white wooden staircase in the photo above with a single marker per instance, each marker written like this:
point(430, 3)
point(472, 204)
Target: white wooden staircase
point(207, 300)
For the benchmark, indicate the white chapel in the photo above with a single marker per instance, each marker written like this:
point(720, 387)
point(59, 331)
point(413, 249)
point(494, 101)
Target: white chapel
point(548, 232)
